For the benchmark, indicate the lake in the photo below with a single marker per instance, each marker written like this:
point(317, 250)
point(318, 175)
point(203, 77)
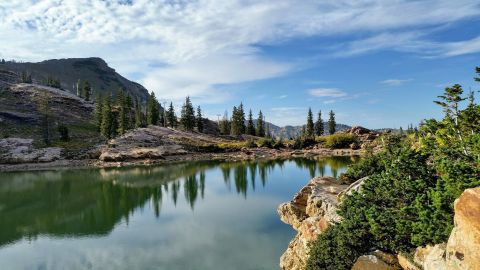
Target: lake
point(195, 215)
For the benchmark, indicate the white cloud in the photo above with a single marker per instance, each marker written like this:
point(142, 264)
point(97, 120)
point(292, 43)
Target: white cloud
point(395, 82)
point(327, 92)
point(192, 47)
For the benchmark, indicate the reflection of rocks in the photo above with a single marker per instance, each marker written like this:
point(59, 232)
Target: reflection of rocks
point(17, 150)
point(310, 212)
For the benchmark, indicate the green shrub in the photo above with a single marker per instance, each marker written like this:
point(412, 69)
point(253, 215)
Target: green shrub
point(279, 144)
point(339, 140)
point(408, 199)
point(368, 165)
point(303, 142)
point(265, 142)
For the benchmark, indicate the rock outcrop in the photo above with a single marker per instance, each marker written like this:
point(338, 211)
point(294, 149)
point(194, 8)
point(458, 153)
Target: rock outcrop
point(377, 260)
point(310, 212)
point(463, 246)
point(17, 150)
point(462, 251)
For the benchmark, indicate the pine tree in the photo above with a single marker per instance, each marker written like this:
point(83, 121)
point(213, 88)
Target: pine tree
point(44, 109)
point(187, 118)
point(152, 109)
point(260, 125)
point(138, 115)
point(250, 126)
point(241, 119)
point(122, 114)
point(309, 129)
point(199, 119)
point(331, 123)
point(171, 118)
point(105, 128)
point(87, 91)
point(319, 125)
point(99, 112)
point(224, 124)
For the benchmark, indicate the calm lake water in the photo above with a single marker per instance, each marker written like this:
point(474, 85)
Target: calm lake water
point(196, 215)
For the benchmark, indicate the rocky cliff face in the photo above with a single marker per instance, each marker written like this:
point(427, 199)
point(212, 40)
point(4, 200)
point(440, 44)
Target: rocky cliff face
point(310, 212)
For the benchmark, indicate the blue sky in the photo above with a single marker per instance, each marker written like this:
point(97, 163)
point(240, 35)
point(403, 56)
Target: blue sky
point(375, 63)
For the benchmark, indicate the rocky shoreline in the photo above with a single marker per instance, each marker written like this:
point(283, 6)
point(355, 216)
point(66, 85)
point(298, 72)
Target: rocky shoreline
point(244, 154)
point(314, 208)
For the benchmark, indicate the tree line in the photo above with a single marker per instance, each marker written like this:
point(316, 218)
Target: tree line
point(312, 129)
point(116, 117)
point(239, 125)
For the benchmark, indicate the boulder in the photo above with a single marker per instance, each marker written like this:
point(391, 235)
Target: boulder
point(463, 246)
point(431, 257)
point(377, 260)
point(19, 150)
point(355, 186)
point(310, 212)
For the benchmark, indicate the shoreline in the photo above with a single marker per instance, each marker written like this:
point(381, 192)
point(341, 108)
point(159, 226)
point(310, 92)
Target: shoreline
point(242, 155)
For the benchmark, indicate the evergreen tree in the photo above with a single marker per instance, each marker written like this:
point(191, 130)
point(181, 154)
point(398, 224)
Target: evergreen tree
point(260, 125)
point(99, 112)
point(171, 118)
point(44, 109)
point(319, 125)
point(63, 132)
point(309, 129)
point(331, 123)
point(105, 127)
point(199, 119)
point(250, 126)
point(122, 114)
point(187, 118)
point(234, 128)
point(87, 90)
point(26, 77)
point(224, 124)
point(138, 115)
point(241, 119)
point(152, 110)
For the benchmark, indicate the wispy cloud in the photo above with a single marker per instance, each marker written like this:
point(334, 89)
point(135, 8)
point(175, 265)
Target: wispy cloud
point(282, 96)
point(395, 82)
point(327, 92)
point(192, 47)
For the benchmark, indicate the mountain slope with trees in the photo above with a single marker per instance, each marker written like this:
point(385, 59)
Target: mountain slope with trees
point(72, 74)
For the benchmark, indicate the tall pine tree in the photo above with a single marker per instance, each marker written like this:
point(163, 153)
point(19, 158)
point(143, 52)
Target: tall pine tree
point(224, 124)
point(250, 126)
point(187, 117)
point(152, 110)
point(105, 127)
point(87, 91)
point(309, 128)
point(199, 119)
point(319, 125)
point(171, 117)
point(331, 123)
point(122, 112)
point(99, 111)
point(260, 125)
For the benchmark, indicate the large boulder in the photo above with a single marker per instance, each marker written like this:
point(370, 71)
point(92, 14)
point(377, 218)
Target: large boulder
point(431, 257)
point(19, 150)
point(377, 260)
point(463, 247)
point(310, 212)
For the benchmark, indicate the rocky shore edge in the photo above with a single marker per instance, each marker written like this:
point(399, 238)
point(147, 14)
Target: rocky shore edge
point(314, 208)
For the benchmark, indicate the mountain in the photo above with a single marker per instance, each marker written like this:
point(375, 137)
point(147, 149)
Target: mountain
point(70, 71)
point(293, 131)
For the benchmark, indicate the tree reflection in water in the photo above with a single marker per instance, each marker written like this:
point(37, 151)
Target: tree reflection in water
point(91, 202)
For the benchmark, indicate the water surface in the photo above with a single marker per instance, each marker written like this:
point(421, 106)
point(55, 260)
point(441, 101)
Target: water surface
point(196, 215)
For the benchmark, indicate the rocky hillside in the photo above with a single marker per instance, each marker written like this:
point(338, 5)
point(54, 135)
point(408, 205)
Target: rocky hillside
point(22, 116)
point(96, 71)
